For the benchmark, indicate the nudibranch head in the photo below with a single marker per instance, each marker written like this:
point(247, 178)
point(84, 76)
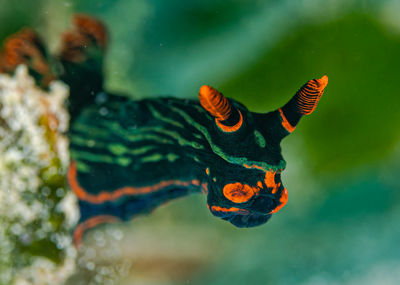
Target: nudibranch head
point(244, 179)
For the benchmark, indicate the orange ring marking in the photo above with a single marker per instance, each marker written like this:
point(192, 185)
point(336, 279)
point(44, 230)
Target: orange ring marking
point(230, 129)
point(285, 122)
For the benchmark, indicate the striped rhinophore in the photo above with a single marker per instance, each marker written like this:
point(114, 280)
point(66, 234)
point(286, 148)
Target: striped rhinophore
point(130, 156)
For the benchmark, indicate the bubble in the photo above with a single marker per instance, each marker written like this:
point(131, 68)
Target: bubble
point(101, 98)
point(60, 192)
point(103, 111)
point(46, 191)
point(90, 266)
point(16, 229)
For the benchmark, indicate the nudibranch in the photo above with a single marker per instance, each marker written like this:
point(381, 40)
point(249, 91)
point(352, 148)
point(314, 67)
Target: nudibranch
point(129, 156)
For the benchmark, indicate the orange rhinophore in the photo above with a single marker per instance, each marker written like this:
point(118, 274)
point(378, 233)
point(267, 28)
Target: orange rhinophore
point(19, 47)
point(227, 117)
point(73, 43)
point(91, 27)
point(215, 103)
point(25, 47)
point(88, 31)
point(309, 95)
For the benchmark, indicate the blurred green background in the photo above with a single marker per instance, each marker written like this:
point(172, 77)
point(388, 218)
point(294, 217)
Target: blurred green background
point(341, 224)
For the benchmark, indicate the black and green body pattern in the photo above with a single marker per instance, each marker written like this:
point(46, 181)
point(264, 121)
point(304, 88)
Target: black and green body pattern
point(130, 156)
point(154, 150)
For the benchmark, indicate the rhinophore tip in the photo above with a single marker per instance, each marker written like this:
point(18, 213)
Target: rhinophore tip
point(322, 82)
point(308, 96)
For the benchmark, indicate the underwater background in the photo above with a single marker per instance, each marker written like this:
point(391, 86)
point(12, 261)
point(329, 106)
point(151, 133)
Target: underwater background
point(341, 224)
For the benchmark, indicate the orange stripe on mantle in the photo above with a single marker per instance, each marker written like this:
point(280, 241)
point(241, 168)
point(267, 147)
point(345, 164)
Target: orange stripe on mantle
point(91, 223)
point(104, 196)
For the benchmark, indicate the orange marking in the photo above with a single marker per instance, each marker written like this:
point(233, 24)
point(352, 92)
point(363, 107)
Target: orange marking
point(91, 223)
point(283, 200)
point(270, 181)
point(253, 166)
point(88, 31)
point(285, 122)
point(204, 187)
point(230, 129)
point(215, 103)
point(228, 210)
point(25, 47)
point(72, 48)
point(118, 193)
point(208, 171)
point(93, 27)
point(238, 192)
point(309, 95)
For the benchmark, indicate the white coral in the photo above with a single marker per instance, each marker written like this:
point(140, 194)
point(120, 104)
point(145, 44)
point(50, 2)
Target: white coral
point(27, 116)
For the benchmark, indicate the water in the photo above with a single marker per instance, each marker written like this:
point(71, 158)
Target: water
point(340, 224)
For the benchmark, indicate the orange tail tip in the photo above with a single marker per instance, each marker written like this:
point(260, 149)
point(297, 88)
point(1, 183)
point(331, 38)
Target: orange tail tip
point(309, 95)
point(214, 103)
